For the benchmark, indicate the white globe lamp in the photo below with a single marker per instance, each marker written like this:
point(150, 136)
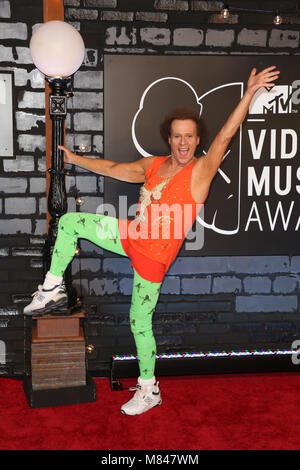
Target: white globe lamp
point(57, 49)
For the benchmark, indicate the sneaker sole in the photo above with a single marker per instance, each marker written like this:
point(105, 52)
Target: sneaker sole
point(50, 306)
point(136, 414)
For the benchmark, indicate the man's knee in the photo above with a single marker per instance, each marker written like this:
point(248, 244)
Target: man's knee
point(65, 220)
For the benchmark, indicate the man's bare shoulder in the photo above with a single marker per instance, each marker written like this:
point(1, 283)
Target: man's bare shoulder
point(146, 162)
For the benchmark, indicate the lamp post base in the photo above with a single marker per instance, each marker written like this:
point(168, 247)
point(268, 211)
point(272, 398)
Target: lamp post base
point(60, 397)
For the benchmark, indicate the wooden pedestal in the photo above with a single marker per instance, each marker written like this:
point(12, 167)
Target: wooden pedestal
point(58, 362)
point(58, 327)
point(57, 352)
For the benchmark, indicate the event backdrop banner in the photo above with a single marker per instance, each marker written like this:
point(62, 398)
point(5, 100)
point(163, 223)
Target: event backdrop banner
point(253, 205)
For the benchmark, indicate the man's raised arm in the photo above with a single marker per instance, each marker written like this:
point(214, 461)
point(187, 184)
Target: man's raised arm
point(209, 163)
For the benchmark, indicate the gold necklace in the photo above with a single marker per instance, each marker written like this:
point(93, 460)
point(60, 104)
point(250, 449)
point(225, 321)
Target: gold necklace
point(147, 196)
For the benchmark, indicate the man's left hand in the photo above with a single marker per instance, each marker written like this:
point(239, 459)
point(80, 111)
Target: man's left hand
point(264, 78)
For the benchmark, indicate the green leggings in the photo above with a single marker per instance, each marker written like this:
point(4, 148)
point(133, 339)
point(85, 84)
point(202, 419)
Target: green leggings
point(103, 231)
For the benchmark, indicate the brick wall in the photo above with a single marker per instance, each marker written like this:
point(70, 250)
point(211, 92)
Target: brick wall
point(221, 301)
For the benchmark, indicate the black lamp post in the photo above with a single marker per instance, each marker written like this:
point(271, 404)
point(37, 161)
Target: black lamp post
point(57, 50)
point(57, 197)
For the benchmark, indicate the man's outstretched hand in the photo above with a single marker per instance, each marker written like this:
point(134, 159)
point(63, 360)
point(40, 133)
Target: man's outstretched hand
point(67, 154)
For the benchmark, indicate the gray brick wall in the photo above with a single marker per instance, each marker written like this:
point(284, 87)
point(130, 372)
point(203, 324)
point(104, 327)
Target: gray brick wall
point(245, 301)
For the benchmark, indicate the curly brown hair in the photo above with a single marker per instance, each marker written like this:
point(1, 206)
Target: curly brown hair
point(181, 114)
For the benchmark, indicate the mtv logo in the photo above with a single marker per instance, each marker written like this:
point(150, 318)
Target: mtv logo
point(277, 100)
point(2, 352)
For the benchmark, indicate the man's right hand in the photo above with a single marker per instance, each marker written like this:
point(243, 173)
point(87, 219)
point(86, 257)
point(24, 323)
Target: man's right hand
point(67, 154)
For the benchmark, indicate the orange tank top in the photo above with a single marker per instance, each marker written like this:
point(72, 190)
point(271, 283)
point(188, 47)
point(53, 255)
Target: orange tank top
point(166, 212)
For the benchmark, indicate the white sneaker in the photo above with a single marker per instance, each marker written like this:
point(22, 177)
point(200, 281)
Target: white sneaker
point(145, 398)
point(46, 300)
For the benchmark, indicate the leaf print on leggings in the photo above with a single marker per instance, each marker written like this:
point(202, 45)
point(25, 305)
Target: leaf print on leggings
point(146, 299)
point(138, 287)
point(81, 221)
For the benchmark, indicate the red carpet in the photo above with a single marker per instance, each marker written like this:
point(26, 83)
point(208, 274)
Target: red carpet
point(219, 412)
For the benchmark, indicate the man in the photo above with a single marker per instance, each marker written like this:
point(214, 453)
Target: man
point(152, 240)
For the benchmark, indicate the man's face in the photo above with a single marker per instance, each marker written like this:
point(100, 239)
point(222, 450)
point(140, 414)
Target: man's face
point(183, 140)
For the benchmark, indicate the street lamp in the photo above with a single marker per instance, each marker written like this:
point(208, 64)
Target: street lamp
point(57, 50)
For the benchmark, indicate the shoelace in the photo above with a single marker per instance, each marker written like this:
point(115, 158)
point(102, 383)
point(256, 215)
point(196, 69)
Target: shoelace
point(139, 390)
point(40, 287)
